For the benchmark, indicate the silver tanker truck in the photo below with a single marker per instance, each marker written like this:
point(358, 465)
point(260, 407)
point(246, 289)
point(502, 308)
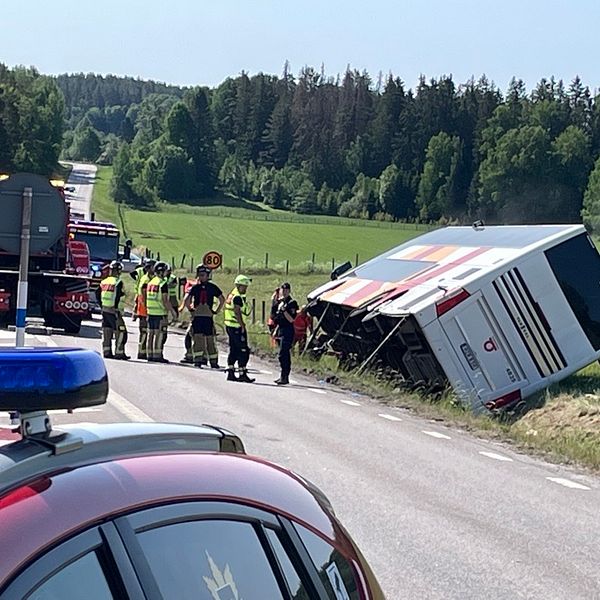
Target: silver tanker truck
point(58, 266)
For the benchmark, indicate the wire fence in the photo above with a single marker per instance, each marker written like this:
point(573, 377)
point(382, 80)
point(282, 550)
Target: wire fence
point(313, 263)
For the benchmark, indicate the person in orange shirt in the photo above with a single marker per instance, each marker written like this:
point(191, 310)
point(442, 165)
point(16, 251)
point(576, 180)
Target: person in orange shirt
point(143, 276)
point(303, 327)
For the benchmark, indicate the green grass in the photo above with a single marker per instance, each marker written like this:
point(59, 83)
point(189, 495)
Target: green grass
point(102, 205)
point(248, 231)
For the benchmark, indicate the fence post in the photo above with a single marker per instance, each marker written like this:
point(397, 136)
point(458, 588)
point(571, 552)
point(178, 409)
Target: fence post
point(191, 264)
point(356, 263)
point(313, 259)
point(182, 261)
point(266, 260)
point(332, 264)
point(173, 263)
point(287, 266)
point(240, 264)
point(262, 312)
point(253, 311)
point(158, 256)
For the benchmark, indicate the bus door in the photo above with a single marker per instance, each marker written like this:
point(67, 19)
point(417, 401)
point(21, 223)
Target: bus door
point(483, 349)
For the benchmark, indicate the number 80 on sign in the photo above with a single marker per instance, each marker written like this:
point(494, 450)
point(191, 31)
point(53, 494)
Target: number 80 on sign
point(212, 260)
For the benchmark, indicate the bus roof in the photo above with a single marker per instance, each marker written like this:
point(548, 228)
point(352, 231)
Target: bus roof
point(436, 262)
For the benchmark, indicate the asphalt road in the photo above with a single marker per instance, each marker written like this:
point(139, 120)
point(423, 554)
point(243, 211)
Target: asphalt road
point(437, 512)
point(82, 179)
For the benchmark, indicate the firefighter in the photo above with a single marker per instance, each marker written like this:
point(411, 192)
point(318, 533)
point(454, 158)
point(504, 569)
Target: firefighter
point(173, 291)
point(170, 280)
point(285, 313)
point(110, 295)
point(158, 308)
point(143, 275)
point(188, 340)
point(200, 301)
point(237, 310)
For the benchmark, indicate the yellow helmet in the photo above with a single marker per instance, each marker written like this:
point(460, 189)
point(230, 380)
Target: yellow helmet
point(242, 280)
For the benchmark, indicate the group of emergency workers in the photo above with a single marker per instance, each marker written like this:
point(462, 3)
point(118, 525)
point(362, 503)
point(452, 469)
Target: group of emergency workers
point(156, 305)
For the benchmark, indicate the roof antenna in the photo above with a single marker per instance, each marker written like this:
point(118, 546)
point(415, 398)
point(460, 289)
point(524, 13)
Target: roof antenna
point(478, 225)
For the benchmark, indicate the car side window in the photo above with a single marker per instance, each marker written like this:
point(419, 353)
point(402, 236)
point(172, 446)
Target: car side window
point(82, 578)
point(209, 560)
point(334, 570)
point(297, 589)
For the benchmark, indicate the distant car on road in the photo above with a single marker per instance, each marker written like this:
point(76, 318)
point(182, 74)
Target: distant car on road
point(132, 263)
point(152, 510)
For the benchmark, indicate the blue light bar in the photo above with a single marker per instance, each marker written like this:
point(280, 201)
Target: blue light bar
point(35, 379)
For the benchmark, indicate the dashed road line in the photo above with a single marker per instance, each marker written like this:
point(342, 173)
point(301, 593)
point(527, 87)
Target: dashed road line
point(351, 403)
point(568, 483)
point(127, 409)
point(496, 456)
point(316, 391)
point(389, 417)
point(265, 372)
point(437, 434)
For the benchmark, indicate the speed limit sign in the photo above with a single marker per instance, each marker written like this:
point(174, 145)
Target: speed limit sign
point(212, 260)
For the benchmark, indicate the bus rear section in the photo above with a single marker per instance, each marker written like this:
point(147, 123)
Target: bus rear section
point(526, 328)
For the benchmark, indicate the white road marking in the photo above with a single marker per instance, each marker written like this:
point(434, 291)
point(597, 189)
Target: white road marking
point(127, 409)
point(293, 382)
point(265, 372)
point(351, 403)
point(496, 456)
point(316, 391)
point(438, 435)
point(389, 417)
point(568, 483)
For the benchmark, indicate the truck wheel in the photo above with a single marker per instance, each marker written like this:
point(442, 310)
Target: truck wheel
point(72, 325)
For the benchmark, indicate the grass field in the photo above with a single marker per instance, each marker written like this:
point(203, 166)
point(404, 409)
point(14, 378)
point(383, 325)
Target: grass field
point(250, 231)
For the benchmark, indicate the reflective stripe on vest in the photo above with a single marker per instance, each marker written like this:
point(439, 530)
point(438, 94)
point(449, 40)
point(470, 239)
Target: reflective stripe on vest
point(108, 296)
point(154, 303)
point(229, 313)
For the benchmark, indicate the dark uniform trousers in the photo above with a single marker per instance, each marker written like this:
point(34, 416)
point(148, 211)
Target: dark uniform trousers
point(113, 325)
point(286, 340)
point(238, 347)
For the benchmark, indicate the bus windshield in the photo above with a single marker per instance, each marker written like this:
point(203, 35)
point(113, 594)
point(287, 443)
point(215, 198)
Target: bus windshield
point(580, 285)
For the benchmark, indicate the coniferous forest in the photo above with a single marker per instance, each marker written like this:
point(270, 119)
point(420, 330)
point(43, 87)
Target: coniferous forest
point(350, 145)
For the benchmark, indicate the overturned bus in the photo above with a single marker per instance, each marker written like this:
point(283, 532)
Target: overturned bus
point(497, 312)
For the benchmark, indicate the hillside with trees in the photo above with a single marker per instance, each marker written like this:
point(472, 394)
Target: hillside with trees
point(349, 146)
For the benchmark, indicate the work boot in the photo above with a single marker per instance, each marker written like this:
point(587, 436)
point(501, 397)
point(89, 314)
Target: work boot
point(214, 365)
point(203, 361)
point(282, 381)
point(244, 377)
point(186, 361)
point(142, 356)
point(109, 355)
point(122, 357)
point(198, 365)
point(162, 359)
point(231, 375)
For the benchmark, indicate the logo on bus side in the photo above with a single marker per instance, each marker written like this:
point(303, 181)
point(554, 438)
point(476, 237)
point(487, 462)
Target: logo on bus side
point(490, 345)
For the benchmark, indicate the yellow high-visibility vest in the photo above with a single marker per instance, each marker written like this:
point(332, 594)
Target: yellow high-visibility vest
point(229, 313)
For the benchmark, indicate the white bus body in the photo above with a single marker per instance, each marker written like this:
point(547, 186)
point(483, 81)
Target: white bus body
point(498, 312)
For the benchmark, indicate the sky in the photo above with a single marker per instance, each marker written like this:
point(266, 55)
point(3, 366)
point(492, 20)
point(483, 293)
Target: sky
point(195, 42)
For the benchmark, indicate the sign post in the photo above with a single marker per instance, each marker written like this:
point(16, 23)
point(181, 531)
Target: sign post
point(23, 267)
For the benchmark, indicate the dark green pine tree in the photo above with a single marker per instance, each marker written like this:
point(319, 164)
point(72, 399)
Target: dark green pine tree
point(202, 150)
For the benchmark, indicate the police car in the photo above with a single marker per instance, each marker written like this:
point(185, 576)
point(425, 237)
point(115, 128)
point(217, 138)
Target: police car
point(151, 511)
